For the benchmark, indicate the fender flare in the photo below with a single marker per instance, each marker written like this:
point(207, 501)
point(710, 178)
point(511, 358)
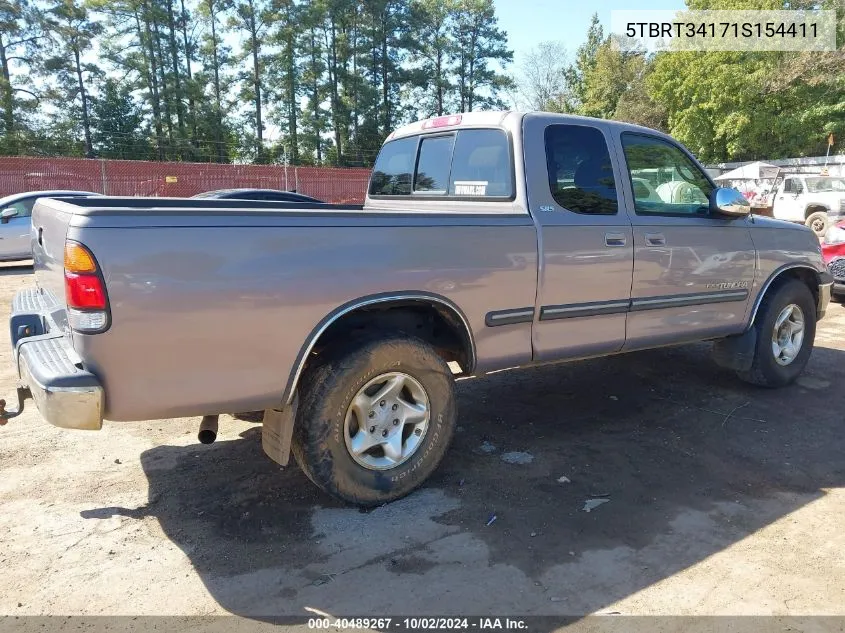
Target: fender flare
point(822, 207)
point(361, 302)
point(765, 287)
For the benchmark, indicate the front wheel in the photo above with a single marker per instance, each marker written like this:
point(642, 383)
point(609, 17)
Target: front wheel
point(785, 329)
point(375, 420)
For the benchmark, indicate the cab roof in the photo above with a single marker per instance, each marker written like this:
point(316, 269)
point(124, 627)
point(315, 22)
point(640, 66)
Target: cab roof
point(505, 119)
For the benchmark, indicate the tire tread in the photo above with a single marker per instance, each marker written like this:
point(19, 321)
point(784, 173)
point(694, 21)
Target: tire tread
point(311, 447)
point(757, 374)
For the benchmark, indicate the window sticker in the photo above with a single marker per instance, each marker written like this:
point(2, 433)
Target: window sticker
point(471, 187)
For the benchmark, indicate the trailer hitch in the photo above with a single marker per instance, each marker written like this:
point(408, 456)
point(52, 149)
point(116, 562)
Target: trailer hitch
point(7, 414)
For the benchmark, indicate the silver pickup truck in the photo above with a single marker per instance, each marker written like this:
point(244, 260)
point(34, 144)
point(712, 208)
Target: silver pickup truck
point(487, 241)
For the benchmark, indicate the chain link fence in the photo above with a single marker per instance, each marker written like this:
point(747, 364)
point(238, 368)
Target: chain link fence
point(156, 179)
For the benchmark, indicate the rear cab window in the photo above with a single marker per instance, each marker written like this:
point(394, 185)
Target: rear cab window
point(394, 168)
point(471, 163)
point(432, 175)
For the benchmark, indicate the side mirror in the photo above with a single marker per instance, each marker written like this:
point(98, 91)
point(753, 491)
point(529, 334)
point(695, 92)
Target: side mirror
point(730, 202)
point(7, 214)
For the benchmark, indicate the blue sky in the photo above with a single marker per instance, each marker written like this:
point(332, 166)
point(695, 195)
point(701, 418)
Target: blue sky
point(529, 22)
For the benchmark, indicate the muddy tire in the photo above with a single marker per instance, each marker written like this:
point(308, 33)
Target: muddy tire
point(785, 329)
point(375, 419)
point(818, 222)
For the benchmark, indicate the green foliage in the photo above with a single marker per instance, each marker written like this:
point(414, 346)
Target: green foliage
point(118, 126)
point(457, 50)
point(21, 34)
point(71, 34)
point(613, 74)
point(431, 50)
point(479, 41)
point(734, 106)
point(325, 81)
point(722, 105)
point(586, 58)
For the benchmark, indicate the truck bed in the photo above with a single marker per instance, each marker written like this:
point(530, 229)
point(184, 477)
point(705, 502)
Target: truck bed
point(212, 301)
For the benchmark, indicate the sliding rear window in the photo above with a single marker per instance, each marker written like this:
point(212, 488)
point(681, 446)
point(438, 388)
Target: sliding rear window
point(472, 163)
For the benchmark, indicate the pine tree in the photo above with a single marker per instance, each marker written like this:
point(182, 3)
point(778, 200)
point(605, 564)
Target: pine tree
point(286, 73)
point(21, 34)
point(313, 115)
point(431, 49)
point(479, 44)
point(585, 59)
point(253, 18)
point(214, 55)
point(117, 124)
point(72, 31)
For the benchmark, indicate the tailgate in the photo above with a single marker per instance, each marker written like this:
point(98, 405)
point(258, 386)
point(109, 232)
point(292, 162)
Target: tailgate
point(50, 220)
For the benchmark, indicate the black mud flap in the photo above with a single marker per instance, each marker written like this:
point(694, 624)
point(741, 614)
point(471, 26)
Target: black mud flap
point(736, 352)
point(277, 431)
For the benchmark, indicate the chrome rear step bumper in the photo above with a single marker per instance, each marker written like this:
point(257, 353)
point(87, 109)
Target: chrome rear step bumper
point(66, 394)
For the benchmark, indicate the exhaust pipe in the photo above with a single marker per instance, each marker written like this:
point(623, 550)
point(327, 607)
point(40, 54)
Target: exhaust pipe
point(208, 429)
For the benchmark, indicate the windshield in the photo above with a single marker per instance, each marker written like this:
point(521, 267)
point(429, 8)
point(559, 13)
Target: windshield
point(817, 185)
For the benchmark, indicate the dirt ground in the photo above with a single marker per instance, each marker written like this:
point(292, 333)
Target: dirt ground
point(706, 513)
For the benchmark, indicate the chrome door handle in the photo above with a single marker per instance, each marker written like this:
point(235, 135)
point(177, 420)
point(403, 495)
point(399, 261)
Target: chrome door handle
point(615, 239)
point(655, 239)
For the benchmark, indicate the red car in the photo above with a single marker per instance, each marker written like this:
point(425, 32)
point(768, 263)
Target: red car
point(833, 252)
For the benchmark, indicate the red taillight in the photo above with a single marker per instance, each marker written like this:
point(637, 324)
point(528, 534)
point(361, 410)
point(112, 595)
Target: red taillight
point(442, 121)
point(84, 292)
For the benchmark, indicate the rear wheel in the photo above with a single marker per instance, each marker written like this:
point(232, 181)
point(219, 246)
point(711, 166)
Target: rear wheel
point(818, 222)
point(785, 330)
point(375, 420)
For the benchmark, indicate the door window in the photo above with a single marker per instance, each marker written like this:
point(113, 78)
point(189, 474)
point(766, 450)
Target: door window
point(665, 181)
point(23, 207)
point(580, 172)
point(793, 185)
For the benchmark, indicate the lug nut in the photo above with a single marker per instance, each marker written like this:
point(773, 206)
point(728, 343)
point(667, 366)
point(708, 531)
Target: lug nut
point(371, 414)
point(372, 429)
point(394, 407)
point(384, 433)
point(382, 403)
point(395, 421)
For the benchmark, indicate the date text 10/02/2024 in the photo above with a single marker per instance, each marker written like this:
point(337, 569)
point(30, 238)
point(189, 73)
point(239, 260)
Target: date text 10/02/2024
point(419, 623)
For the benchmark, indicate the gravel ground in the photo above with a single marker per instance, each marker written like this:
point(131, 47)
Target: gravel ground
point(703, 512)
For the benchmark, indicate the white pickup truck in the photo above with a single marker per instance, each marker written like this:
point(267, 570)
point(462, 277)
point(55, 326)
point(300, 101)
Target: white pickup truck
point(816, 201)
